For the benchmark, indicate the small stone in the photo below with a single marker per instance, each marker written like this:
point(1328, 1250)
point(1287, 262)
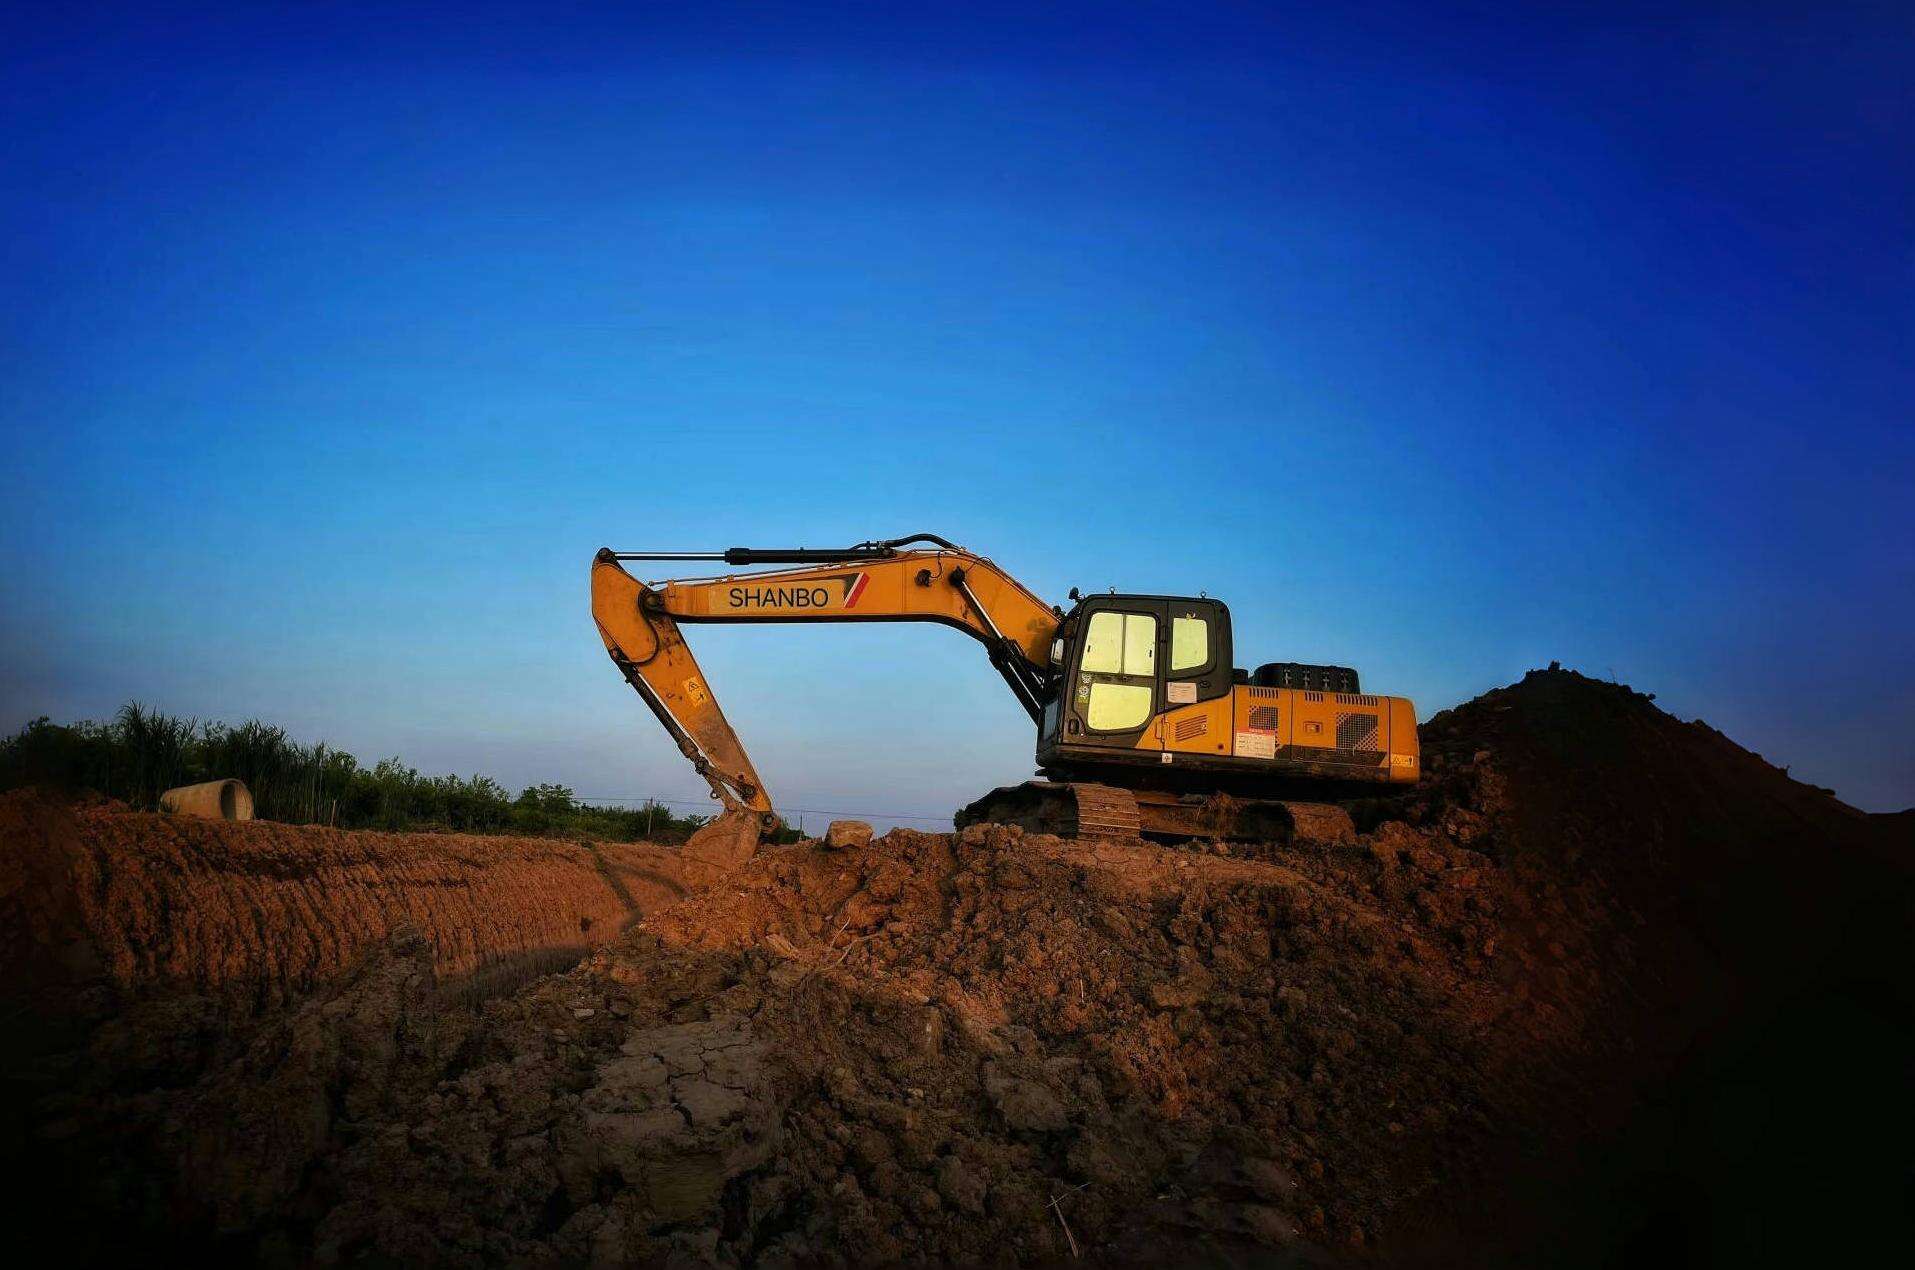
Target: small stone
point(847, 835)
point(583, 1012)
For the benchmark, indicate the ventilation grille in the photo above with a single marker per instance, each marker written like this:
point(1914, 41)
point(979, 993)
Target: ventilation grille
point(1263, 718)
point(1188, 728)
point(1354, 699)
point(1313, 696)
point(1356, 731)
point(1264, 694)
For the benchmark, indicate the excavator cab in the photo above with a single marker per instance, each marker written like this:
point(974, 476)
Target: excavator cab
point(1144, 694)
point(1121, 661)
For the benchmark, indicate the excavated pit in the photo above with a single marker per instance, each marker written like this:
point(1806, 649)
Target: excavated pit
point(1605, 986)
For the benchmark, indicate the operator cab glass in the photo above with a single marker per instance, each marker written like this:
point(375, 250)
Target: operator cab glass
point(1122, 660)
point(1119, 670)
point(1189, 642)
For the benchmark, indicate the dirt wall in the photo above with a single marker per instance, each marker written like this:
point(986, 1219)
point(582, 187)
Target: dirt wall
point(261, 912)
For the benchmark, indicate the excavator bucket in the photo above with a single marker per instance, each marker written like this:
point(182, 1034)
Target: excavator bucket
point(727, 842)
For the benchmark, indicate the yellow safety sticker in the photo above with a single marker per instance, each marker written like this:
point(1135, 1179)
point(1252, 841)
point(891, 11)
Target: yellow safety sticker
point(695, 691)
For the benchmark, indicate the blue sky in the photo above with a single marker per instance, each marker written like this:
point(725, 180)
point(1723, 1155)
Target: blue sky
point(1438, 343)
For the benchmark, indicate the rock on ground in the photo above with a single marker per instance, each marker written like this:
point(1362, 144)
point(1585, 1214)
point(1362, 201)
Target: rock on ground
point(846, 835)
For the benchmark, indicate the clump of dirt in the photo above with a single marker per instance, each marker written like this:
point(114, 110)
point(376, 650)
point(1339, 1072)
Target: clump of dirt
point(1497, 1026)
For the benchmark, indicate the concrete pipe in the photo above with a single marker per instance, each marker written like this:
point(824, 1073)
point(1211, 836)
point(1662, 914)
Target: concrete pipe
point(215, 800)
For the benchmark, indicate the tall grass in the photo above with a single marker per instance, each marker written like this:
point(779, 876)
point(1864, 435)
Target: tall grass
point(143, 752)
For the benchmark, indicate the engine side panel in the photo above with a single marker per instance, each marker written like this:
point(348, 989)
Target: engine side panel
point(1354, 736)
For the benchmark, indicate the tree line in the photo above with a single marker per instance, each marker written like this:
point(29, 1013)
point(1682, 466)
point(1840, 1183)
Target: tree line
point(141, 753)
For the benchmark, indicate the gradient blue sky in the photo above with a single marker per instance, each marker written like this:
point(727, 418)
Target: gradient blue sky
point(1440, 343)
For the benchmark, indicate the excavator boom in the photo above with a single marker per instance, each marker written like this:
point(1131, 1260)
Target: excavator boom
point(894, 581)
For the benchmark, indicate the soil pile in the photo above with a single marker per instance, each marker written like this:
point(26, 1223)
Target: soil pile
point(265, 911)
point(197, 925)
point(1523, 1015)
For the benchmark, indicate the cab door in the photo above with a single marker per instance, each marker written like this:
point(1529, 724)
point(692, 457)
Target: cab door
point(1117, 687)
point(1197, 652)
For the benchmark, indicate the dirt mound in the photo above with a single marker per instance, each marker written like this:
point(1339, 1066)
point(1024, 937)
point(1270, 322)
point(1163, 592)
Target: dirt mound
point(948, 1035)
point(1559, 1000)
point(265, 911)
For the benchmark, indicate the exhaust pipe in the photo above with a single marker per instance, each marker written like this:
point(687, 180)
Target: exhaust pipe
point(214, 800)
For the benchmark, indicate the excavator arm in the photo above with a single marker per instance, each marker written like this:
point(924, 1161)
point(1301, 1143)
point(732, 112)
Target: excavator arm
point(918, 579)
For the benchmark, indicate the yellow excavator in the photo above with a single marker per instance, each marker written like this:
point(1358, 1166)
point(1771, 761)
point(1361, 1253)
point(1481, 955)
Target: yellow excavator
point(1144, 724)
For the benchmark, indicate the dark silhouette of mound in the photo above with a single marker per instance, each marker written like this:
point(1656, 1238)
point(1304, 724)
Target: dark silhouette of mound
point(1746, 970)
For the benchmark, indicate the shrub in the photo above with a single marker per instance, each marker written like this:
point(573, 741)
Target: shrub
point(142, 753)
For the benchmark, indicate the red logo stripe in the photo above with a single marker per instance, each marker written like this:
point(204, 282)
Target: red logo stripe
point(857, 589)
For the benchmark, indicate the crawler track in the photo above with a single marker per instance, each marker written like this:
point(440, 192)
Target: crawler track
point(1084, 810)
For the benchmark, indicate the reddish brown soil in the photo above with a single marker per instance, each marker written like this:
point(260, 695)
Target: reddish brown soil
point(265, 911)
point(1605, 986)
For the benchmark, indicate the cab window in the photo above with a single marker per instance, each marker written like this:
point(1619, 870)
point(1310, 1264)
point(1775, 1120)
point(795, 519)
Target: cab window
point(1125, 645)
point(1189, 643)
point(1117, 707)
point(1120, 644)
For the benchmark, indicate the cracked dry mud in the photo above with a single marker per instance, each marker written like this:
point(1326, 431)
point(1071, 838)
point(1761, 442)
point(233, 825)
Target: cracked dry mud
point(678, 1112)
point(1505, 1024)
